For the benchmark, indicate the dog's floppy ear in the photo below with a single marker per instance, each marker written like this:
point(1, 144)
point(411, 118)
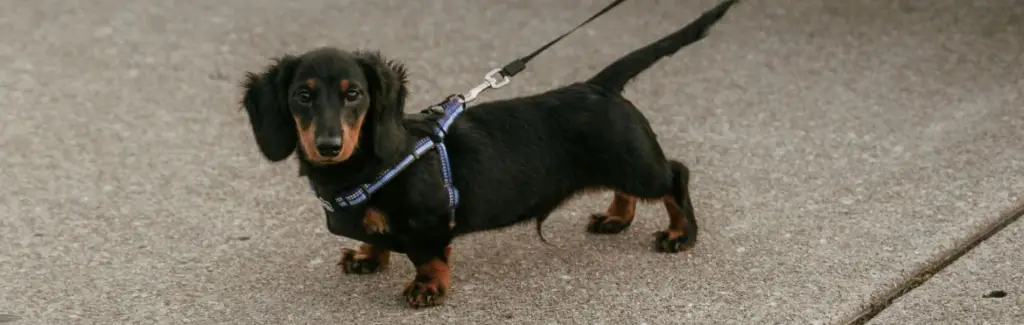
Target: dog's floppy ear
point(266, 103)
point(387, 95)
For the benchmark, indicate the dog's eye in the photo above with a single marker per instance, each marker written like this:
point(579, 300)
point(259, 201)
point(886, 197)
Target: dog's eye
point(303, 97)
point(352, 95)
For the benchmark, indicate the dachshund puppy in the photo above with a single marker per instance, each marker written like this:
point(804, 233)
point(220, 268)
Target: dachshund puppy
point(512, 161)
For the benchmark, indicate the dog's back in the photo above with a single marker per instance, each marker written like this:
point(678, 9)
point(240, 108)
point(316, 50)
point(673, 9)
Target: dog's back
point(519, 159)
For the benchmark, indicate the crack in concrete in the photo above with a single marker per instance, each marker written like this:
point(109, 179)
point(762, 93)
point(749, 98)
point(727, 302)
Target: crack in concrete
point(921, 276)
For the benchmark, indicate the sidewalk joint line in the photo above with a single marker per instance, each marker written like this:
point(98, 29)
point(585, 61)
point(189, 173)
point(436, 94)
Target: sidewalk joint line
point(931, 268)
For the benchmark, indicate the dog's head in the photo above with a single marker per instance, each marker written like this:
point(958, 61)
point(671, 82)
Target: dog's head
point(324, 102)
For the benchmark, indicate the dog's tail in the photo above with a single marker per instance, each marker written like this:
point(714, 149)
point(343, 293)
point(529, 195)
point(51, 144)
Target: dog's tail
point(615, 76)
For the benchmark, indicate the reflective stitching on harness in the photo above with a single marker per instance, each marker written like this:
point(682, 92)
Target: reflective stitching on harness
point(452, 107)
point(446, 170)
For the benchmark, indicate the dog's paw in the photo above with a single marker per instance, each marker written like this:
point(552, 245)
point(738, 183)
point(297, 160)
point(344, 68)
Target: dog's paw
point(673, 242)
point(354, 263)
point(601, 223)
point(429, 293)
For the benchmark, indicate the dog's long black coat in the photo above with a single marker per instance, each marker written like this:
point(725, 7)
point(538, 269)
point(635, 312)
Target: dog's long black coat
point(513, 160)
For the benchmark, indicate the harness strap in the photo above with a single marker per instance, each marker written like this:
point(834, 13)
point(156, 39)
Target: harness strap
point(449, 186)
point(451, 108)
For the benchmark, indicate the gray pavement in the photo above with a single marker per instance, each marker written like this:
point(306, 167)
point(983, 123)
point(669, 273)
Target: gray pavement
point(837, 147)
point(968, 291)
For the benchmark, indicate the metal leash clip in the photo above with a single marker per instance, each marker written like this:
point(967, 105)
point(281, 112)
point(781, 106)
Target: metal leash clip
point(490, 81)
point(512, 68)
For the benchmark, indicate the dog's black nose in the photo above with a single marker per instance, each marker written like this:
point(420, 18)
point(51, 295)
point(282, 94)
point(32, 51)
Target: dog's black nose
point(328, 147)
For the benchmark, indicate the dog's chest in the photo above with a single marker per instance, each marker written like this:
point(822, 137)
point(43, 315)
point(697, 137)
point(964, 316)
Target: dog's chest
point(364, 225)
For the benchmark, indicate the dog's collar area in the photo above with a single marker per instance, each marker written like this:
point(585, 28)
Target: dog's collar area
point(449, 110)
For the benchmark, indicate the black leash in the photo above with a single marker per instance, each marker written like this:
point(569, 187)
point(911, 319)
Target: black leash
point(518, 65)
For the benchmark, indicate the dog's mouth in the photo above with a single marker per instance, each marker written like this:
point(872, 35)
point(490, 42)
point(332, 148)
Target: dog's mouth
point(325, 161)
point(317, 159)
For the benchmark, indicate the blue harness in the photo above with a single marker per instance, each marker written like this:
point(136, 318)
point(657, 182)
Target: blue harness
point(450, 109)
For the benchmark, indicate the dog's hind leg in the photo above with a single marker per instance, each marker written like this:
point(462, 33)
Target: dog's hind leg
point(667, 182)
point(682, 226)
point(617, 218)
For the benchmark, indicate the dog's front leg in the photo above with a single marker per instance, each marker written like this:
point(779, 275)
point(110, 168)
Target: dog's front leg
point(433, 277)
point(365, 260)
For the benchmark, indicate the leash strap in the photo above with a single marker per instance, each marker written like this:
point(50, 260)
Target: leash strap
point(514, 67)
point(491, 79)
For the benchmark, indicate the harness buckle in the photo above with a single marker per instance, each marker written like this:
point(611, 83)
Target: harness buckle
point(366, 191)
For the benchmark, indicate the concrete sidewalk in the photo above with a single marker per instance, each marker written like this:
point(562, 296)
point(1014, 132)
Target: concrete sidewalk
point(986, 286)
point(836, 147)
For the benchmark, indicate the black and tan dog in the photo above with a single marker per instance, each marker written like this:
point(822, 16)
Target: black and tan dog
point(512, 160)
